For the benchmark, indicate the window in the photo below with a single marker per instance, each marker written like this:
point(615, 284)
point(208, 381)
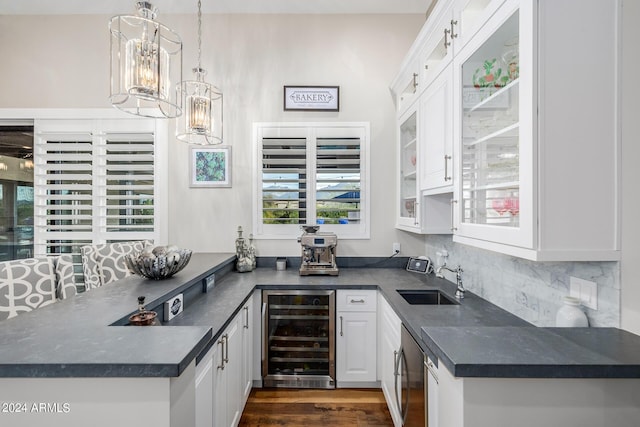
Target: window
point(16, 191)
point(311, 174)
point(94, 183)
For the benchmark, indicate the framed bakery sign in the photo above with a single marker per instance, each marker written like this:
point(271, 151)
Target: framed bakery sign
point(312, 98)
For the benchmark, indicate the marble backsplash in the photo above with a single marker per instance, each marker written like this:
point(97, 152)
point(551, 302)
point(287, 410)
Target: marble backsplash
point(531, 290)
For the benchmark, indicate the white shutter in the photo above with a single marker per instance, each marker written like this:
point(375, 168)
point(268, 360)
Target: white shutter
point(94, 182)
point(311, 173)
point(129, 182)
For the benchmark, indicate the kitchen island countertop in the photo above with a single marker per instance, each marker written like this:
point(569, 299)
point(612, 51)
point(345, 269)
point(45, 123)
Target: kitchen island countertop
point(85, 337)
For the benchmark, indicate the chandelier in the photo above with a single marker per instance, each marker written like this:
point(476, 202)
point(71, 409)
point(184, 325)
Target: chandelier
point(201, 122)
point(146, 65)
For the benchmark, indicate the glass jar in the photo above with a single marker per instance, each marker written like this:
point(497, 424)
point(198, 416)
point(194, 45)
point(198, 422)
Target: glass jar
point(570, 314)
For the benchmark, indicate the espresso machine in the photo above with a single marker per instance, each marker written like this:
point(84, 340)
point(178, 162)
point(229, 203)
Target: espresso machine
point(318, 252)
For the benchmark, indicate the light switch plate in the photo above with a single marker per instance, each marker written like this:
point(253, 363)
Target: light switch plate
point(585, 290)
point(173, 307)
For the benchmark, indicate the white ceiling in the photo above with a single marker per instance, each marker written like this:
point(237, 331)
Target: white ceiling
point(119, 7)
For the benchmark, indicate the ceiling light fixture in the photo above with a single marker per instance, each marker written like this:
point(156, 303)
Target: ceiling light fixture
point(146, 65)
point(201, 122)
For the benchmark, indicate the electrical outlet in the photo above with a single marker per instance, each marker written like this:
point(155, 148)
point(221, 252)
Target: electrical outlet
point(584, 290)
point(396, 248)
point(208, 283)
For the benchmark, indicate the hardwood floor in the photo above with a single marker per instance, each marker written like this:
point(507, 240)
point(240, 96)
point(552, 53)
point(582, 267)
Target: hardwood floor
point(330, 408)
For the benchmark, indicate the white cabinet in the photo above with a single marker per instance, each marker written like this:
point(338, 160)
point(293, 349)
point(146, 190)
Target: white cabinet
point(247, 313)
point(436, 110)
point(227, 377)
point(204, 390)
point(356, 336)
point(433, 395)
point(408, 217)
point(537, 152)
point(231, 372)
point(389, 331)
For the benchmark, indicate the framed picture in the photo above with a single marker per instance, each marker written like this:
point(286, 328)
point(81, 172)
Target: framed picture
point(312, 98)
point(210, 167)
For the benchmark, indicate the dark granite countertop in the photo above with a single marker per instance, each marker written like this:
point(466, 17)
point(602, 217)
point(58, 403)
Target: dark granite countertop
point(79, 337)
point(72, 338)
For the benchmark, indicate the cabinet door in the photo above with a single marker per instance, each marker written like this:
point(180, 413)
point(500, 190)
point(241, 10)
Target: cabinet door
point(355, 340)
point(233, 371)
point(495, 147)
point(247, 348)
point(436, 134)
point(431, 380)
point(220, 396)
point(389, 338)
point(469, 17)
point(204, 391)
point(408, 209)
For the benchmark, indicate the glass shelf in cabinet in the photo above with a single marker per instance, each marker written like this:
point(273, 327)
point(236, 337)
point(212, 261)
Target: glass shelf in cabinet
point(507, 185)
point(494, 97)
point(510, 131)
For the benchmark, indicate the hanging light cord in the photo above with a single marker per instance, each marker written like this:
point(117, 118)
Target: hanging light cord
point(199, 32)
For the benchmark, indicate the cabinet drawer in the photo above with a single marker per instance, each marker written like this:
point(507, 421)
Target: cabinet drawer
point(356, 300)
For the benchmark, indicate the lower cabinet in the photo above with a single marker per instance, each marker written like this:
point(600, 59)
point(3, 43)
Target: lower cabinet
point(389, 330)
point(356, 336)
point(224, 376)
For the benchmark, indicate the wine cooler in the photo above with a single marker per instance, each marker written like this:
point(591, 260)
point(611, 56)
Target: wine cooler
point(299, 339)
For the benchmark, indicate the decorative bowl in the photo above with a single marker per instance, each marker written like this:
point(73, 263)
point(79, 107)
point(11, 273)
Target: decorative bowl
point(143, 318)
point(158, 263)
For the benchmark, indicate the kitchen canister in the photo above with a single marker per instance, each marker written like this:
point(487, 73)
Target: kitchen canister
point(570, 314)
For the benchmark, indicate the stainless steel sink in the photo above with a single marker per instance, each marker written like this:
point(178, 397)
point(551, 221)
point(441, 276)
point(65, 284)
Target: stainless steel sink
point(426, 297)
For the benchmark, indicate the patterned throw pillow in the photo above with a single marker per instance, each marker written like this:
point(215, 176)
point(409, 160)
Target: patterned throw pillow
point(26, 284)
point(65, 279)
point(104, 263)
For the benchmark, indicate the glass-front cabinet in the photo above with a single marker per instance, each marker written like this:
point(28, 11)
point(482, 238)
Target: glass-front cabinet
point(409, 207)
point(535, 141)
point(492, 201)
point(490, 130)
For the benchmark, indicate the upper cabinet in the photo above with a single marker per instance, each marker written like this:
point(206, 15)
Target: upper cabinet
point(515, 130)
point(537, 141)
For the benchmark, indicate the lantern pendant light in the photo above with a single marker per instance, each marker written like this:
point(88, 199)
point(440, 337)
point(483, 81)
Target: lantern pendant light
point(201, 122)
point(146, 65)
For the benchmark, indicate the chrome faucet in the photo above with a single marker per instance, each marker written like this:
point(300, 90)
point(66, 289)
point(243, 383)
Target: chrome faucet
point(458, 271)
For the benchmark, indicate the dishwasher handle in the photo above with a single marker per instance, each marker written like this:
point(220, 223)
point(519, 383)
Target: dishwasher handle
point(401, 359)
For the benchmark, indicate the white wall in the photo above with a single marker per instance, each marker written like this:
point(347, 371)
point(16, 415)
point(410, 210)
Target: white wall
point(63, 62)
point(630, 301)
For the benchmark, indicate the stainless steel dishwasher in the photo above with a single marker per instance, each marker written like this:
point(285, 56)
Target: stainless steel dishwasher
point(410, 365)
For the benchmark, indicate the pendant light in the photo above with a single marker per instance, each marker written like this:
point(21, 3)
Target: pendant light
point(146, 64)
point(201, 122)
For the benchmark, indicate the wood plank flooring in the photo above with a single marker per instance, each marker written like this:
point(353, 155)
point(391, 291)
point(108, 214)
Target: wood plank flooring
point(329, 408)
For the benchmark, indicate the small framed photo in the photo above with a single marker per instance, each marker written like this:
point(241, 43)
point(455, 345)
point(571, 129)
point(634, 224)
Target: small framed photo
point(210, 167)
point(312, 98)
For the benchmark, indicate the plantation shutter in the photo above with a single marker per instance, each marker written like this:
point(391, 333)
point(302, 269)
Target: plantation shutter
point(94, 182)
point(129, 195)
point(311, 174)
point(338, 176)
point(284, 177)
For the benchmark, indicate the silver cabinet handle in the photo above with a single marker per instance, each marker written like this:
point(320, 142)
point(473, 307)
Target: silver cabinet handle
point(415, 80)
point(453, 203)
point(246, 312)
point(226, 348)
point(446, 169)
point(357, 301)
point(447, 43)
point(221, 342)
point(341, 334)
point(453, 35)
